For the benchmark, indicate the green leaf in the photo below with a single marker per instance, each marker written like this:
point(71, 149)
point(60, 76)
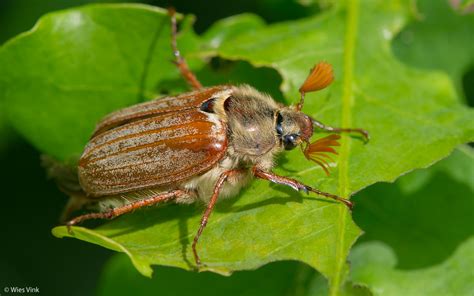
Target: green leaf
point(438, 38)
point(373, 264)
point(431, 207)
point(282, 278)
point(99, 59)
point(417, 224)
point(223, 31)
point(459, 167)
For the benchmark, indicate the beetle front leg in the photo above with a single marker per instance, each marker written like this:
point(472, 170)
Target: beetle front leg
point(180, 62)
point(296, 185)
point(364, 133)
point(205, 217)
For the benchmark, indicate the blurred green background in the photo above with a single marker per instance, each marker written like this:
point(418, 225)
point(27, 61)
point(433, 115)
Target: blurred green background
point(426, 215)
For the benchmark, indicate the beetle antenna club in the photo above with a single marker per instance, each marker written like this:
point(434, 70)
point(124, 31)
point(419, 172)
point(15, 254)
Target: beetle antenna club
point(202, 145)
point(319, 78)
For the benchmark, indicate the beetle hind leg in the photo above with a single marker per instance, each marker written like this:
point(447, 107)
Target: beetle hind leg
point(127, 208)
point(180, 62)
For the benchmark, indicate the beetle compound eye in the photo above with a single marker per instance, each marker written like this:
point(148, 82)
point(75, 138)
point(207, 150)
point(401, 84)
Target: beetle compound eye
point(208, 106)
point(289, 141)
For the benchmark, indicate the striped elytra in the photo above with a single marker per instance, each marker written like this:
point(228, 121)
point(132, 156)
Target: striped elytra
point(152, 144)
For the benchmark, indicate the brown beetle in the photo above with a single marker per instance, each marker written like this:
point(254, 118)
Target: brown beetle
point(201, 145)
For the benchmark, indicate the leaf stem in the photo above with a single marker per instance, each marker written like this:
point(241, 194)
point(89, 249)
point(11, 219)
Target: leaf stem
point(352, 7)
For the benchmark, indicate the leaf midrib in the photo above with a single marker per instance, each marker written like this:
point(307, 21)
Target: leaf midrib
point(346, 120)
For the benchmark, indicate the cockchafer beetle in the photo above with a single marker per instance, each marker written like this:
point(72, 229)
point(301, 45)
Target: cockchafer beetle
point(200, 145)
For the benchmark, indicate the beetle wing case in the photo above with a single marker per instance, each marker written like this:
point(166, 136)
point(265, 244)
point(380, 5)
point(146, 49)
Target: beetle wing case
point(152, 144)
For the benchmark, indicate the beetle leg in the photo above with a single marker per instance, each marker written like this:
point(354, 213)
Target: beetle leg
point(205, 217)
point(180, 62)
point(297, 185)
point(115, 212)
point(322, 126)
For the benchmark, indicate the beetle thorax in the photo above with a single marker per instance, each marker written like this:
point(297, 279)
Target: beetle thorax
point(251, 126)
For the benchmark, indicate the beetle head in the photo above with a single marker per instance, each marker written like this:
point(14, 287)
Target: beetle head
point(294, 128)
